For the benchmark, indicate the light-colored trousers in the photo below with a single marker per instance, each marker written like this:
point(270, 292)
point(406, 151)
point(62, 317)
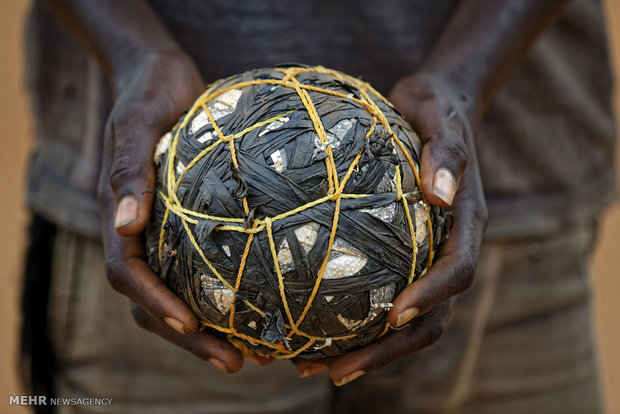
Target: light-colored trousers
point(520, 340)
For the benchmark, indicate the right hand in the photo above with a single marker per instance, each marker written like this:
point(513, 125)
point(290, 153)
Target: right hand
point(444, 123)
point(149, 101)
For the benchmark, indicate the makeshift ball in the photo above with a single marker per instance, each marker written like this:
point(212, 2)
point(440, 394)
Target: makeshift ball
point(288, 213)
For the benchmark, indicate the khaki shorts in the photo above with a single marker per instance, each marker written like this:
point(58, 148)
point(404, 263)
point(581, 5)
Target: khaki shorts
point(519, 341)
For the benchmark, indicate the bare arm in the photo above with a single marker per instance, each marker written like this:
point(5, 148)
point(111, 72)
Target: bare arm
point(483, 43)
point(444, 99)
point(119, 34)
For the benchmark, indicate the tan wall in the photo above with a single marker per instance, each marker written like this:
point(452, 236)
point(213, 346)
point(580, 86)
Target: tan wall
point(606, 266)
point(17, 134)
point(15, 141)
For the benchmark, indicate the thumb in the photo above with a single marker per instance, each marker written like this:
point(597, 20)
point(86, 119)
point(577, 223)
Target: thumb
point(429, 106)
point(152, 100)
point(444, 158)
point(132, 176)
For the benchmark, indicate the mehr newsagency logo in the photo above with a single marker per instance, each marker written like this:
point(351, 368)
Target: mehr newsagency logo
point(43, 400)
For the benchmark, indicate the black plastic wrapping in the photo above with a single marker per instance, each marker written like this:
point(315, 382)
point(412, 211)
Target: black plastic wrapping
point(215, 186)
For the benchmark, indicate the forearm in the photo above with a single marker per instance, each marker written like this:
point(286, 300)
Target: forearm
point(118, 33)
point(484, 41)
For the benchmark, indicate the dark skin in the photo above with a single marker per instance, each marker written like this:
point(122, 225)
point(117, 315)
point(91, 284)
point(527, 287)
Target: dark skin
point(154, 81)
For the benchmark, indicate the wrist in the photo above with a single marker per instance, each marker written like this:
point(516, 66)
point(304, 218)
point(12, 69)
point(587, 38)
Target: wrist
point(121, 35)
point(430, 89)
point(460, 87)
point(126, 69)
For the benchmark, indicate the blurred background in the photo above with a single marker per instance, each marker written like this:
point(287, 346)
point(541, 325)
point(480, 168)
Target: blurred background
point(16, 142)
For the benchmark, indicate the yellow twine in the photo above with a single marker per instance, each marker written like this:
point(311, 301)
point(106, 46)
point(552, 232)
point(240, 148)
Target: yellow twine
point(335, 194)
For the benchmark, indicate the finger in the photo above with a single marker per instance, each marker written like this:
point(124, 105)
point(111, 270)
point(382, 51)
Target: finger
point(129, 274)
point(444, 157)
point(261, 361)
point(454, 270)
point(308, 367)
point(133, 278)
point(154, 101)
point(137, 123)
point(441, 169)
point(427, 330)
point(442, 128)
point(217, 351)
point(131, 173)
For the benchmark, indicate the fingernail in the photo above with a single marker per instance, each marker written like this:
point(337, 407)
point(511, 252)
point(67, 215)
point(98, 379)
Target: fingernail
point(218, 364)
point(444, 185)
point(260, 360)
point(308, 372)
point(406, 315)
point(348, 378)
point(126, 212)
point(175, 324)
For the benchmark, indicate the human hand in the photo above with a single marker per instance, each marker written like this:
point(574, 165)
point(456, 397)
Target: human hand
point(150, 97)
point(450, 178)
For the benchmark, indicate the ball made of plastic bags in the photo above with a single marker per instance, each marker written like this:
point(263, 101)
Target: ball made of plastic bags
point(288, 213)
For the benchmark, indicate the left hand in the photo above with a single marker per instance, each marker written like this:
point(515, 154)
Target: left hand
point(450, 177)
point(151, 97)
